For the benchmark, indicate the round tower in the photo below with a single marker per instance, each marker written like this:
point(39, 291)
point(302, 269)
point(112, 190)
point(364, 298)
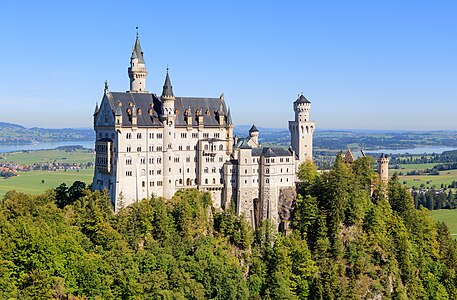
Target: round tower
point(137, 70)
point(302, 130)
point(168, 117)
point(383, 168)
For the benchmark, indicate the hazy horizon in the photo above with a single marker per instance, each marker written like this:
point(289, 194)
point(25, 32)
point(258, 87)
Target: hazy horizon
point(384, 66)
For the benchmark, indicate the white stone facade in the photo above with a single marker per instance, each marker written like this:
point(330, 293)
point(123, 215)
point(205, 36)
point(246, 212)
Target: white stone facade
point(156, 145)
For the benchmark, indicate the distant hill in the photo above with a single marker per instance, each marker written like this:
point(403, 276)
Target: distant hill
point(4, 125)
point(14, 134)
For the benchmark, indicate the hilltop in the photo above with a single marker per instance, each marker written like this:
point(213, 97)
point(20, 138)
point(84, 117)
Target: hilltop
point(15, 134)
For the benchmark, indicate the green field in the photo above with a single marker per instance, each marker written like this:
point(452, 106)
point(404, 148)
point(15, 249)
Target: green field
point(448, 216)
point(30, 182)
point(48, 156)
point(445, 177)
point(409, 167)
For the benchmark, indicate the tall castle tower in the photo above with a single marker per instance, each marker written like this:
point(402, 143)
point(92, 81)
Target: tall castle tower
point(301, 130)
point(383, 168)
point(168, 117)
point(137, 70)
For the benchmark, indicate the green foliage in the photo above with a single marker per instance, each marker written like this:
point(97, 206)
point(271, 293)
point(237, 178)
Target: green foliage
point(69, 243)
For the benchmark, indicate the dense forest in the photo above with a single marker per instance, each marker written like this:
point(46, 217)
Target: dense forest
point(345, 244)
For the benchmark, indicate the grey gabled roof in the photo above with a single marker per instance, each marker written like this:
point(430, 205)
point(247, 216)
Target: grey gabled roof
point(143, 101)
point(167, 87)
point(271, 152)
point(302, 99)
point(253, 129)
point(136, 52)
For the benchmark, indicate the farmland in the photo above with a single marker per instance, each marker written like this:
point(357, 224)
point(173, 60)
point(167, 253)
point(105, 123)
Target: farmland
point(448, 216)
point(37, 181)
point(31, 182)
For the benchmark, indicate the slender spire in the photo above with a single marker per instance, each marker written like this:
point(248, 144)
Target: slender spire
point(167, 87)
point(118, 110)
point(136, 52)
point(229, 117)
point(96, 109)
point(106, 86)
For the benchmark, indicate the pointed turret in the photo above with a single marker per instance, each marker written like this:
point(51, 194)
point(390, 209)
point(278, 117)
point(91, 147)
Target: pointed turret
point(253, 129)
point(167, 87)
point(229, 117)
point(136, 51)
point(137, 70)
point(96, 109)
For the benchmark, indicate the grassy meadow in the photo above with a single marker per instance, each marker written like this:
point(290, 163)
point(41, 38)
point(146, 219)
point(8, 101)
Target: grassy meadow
point(448, 216)
point(48, 156)
point(31, 182)
point(445, 177)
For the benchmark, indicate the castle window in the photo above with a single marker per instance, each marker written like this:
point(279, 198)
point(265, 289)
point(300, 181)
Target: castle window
point(143, 184)
point(151, 135)
point(180, 171)
point(206, 147)
point(221, 147)
point(159, 172)
point(138, 149)
point(128, 136)
point(159, 183)
point(188, 147)
point(221, 159)
point(151, 183)
point(281, 160)
point(128, 173)
point(214, 180)
point(151, 160)
point(159, 148)
point(188, 170)
point(159, 135)
point(206, 181)
point(216, 135)
point(129, 149)
point(143, 160)
point(267, 180)
point(206, 170)
point(151, 172)
point(213, 170)
point(138, 135)
point(287, 159)
point(128, 161)
point(205, 135)
point(188, 159)
point(267, 170)
point(245, 171)
point(159, 160)
point(194, 135)
point(180, 180)
point(151, 148)
point(184, 135)
point(180, 148)
point(177, 159)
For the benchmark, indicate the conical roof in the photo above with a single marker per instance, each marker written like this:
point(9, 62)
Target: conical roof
point(253, 129)
point(302, 99)
point(167, 88)
point(136, 52)
point(229, 117)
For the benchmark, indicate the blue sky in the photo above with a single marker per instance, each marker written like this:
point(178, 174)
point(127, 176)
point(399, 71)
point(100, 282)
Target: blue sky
point(362, 64)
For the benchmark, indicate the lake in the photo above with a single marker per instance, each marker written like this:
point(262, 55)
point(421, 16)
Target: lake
point(420, 150)
point(42, 146)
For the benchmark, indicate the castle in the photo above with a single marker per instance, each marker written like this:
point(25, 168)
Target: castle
point(156, 145)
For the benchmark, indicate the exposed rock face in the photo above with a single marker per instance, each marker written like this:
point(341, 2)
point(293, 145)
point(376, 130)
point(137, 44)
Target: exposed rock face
point(287, 196)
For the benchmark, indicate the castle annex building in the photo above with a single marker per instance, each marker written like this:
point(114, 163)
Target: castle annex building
point(156, 145)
